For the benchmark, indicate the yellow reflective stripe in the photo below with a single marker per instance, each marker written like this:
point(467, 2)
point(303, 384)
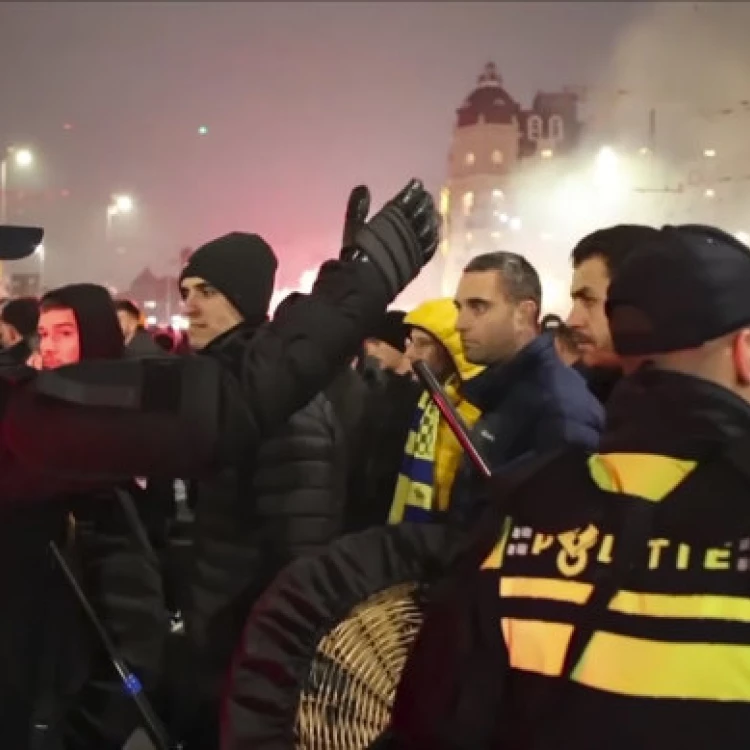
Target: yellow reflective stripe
point(545, 588)
point(536, 646)
point(633, 666)
point(637, 667)
point(693, 606)
point(650, 476)
point(698, 607)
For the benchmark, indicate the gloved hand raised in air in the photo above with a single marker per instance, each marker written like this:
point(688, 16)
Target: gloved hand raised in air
point(399, 240)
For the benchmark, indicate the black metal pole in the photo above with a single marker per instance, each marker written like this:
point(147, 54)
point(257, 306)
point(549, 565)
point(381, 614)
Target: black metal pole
point(130, 682)
point(451, 416)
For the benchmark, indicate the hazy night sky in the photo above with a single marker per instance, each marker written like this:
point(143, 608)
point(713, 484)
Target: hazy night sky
point(302, 101)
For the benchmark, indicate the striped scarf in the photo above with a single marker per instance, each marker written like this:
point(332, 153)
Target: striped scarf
point(415, 489)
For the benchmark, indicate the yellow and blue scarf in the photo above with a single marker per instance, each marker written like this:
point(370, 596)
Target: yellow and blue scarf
point(431, 458)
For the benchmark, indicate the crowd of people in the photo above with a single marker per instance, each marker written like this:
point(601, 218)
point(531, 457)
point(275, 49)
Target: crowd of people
point(579, 621)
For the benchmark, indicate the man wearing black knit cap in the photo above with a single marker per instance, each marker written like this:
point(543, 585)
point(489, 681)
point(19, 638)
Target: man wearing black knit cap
point(248, 525)
point(622, 577)
point(227, 281)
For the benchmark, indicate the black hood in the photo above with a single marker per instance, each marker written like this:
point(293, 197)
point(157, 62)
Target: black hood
point(99, 331)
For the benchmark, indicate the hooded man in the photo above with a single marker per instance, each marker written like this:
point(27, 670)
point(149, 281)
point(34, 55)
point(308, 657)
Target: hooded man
point(78, 323)
point(432, 453)
point(287, 501)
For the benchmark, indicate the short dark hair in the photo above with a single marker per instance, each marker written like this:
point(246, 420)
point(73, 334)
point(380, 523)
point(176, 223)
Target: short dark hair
point(520, 279)
point(614, 245)
point(128, 306)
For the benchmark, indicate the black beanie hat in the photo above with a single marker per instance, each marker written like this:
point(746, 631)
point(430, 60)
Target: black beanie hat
point(99, 332)
point(240, 266)
point(22, 314)
point(391, 330)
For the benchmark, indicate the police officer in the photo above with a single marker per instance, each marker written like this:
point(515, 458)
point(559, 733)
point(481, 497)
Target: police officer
point(98, 421)
point(611, 605)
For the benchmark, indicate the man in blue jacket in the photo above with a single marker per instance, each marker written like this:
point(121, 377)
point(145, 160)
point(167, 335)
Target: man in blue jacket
point(531, 402)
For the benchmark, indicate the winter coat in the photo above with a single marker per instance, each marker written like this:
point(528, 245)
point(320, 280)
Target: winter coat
point(532, 405)
point(287, 500)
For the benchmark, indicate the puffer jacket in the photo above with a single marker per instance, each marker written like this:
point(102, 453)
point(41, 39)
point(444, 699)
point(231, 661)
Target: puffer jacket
point(531, 406)
point(286, 501)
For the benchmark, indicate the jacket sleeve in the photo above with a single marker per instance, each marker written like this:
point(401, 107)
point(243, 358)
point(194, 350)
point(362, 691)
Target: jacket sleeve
point(309, 341)
point(300, 485)
point(166, 417)
point(124, 585)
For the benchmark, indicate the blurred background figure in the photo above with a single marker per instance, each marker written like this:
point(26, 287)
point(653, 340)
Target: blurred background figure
point(18, 323)
point(138, 341)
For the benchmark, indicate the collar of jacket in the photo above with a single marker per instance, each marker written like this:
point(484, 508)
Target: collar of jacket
point(490, 386)
point(229, 345)
point(655, 411)
point(601, 381)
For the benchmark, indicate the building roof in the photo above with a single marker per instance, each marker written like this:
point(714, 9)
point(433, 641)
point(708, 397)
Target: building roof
point(489, 102)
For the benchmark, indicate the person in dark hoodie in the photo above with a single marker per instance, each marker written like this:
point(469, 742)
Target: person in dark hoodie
point(122, 577)
point(287, 501)
point(18, 323)
point(138, 341)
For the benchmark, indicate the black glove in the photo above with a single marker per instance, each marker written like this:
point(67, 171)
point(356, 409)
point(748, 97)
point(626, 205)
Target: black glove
point(400, 239)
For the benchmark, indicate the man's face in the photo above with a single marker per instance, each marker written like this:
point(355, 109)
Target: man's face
point(59, 343)
point(209, 312)
point(587, 317)
point(489, 324)
point(421, 346)
point(128, 324)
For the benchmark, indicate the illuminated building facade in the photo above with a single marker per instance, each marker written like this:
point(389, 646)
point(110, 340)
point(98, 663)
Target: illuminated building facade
point(493, 139)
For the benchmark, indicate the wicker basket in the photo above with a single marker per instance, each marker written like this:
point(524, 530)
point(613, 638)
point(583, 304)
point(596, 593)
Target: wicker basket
point(347, 698)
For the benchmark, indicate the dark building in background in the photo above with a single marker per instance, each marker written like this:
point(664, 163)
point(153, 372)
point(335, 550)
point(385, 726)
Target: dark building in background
point(494, 139)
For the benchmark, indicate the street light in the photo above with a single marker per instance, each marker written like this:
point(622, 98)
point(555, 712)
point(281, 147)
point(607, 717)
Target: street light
point(22, 158)
point(118, 205)
point(124, 204)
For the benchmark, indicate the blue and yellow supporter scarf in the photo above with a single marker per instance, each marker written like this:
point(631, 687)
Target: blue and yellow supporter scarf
point(432, 453)
point(431, 459)
point(415, 487)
